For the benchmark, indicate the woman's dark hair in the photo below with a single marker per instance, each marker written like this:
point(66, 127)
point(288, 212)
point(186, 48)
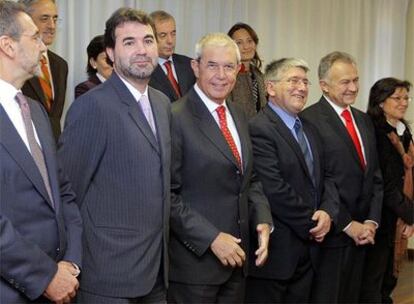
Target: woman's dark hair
point(95, 47)
point(379, 92)
point(257, 61)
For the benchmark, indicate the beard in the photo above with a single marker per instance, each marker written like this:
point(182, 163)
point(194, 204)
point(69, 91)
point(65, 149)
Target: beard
point(132, 70)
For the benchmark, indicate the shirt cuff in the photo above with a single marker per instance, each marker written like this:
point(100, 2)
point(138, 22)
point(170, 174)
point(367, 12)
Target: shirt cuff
point(373, 222)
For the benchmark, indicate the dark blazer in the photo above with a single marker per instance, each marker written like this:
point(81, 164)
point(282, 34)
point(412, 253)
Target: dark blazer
point(121, 175)
point(32, 88)
point(34, 234)
point(209, 193)
point(185, 75)
point(85, 86)
point(358, 192)
point(396, 204)
point(293, 196)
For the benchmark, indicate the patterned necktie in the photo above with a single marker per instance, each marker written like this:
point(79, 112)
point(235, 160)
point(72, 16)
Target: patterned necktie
point(255, 92)
point(35, 149)
point(354, 136)
point(146, 109)
point(221, 112)
point(45, 83)
point(171, 78)
point(304, 146)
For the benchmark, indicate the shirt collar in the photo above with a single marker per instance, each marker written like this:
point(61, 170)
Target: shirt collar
point(211, 105)
point(337, 108)
point(137, 94)
point(7, 91)
point(161, 61)
point(287, 118)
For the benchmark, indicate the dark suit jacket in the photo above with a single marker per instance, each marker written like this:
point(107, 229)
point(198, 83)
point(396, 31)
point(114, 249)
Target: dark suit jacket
point(209, 193)
point(34, 235)
point(121, 175)
point(85, 86)
point(358, 192)
point(32, 88)
point(185, 75)
point(293, 197)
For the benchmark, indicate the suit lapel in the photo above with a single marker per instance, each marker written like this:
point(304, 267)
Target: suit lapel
point(362, 128)
point(134, 110)
point(339, 127)
point(17, 149)
point(287, 136)
point(35, 84)
point(209, 127)
point(243, 136)
point(160, 77)
point(181, 73)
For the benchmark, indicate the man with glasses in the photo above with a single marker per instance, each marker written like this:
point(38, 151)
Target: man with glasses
point(215, 198)
point(288, 161)
point(49, 85)
point(40, 224)
point(352, 166)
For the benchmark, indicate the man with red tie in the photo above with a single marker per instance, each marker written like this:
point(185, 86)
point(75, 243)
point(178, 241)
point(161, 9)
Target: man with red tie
point(216, 199)
point(49, 85)
point(351, 164)
point(173, 75)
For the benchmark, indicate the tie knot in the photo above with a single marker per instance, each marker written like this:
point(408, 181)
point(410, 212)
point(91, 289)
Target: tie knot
point(167, 64)
point(346, 115)
point(43, 60)
point(298, 124)
point(21, 100)
point(221, 111)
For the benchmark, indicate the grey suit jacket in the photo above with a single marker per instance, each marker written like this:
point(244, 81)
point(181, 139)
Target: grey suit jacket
point(34, 234)
point(32, 88)
point(121, 175)
point(358, 192)
point(209, 193)
point(185, 75)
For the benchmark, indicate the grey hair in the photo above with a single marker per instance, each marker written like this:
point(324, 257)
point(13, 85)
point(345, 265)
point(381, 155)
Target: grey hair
point(276, 68)
point(161, 16)
point(9, 24)
point(328, 61)
point(216, 40)
point(28, 4)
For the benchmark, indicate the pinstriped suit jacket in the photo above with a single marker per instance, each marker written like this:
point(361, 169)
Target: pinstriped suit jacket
point(120, 173)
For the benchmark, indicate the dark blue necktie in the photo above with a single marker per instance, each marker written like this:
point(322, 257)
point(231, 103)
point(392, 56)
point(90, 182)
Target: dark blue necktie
point(304, 146)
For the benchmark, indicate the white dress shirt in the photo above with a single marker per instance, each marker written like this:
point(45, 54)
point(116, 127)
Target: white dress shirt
point(7, 100)
point(212, 107)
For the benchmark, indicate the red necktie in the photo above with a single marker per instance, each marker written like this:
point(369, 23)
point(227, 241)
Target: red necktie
point(171, 78)
point(45, 83)
point(221, 112)
point(354, 136)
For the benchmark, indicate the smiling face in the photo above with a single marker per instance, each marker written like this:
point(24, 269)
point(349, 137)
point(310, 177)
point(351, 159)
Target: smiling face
point(44, 14)
point(341, 84)
point(216, 72)
point(246, 44)
point(290, 92)
point(396, 105)
point(135, 54)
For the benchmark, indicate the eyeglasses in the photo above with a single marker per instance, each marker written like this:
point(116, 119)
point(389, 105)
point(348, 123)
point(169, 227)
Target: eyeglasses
point(295, 81)
point(400, 99)
point(215, 67)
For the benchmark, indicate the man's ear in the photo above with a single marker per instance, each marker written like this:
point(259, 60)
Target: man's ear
point(7, 46)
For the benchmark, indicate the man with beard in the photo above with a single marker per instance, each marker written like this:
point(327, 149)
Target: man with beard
point(116, 148)
point(49, 86)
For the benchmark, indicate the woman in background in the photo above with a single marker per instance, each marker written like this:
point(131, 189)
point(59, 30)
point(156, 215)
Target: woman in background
point(249, 90)
point(98, 68)
point(388, 103)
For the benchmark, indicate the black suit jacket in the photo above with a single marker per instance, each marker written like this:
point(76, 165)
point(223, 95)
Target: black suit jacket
point(85, 86)
point(293, 196)
point(185, 75)
point(32, 88)
point(34, 234)
point(209, 193)
point(121, 175)
point(358, 192)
